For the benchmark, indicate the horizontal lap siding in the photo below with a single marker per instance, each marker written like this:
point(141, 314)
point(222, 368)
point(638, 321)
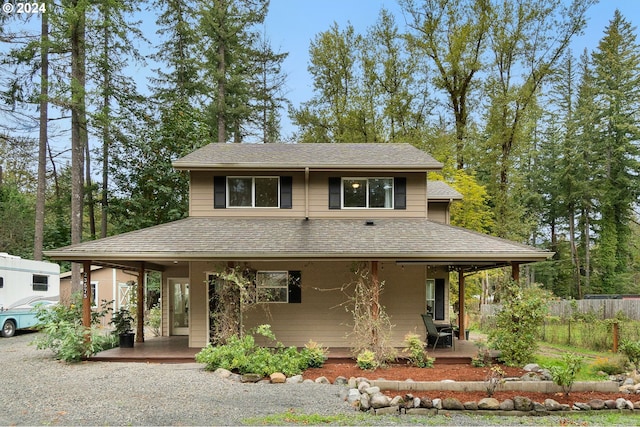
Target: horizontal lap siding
point(323, 316)
point(438, 212)
point(201, 197)
point(319, 197)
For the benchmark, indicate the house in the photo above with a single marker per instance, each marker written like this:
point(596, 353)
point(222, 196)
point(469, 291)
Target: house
point(300, 216)
point(107, 284)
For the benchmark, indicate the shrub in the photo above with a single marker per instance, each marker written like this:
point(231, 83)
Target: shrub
point(518, 324)
point(154, 319)
point(631, 349)
point(64, 334)
point(244, 356)
point(494, 379)
point(367, 360)
point(610, 366)
point(418, 356)
point(565, 376)
point(483, 356)
point(315, 354)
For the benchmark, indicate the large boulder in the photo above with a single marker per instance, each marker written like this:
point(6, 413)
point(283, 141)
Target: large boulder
point(489, 403)
point(522, 403)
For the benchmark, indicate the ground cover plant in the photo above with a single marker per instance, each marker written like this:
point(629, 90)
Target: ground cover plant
point(244, 356)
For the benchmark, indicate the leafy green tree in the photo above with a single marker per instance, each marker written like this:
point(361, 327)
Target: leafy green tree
point(518, 323)
point(453, 35)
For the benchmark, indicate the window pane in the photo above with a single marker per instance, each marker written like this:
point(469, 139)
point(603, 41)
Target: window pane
point(271, 286)
point(240, 191)
point(267, 192)
point(40, 283)
point(380, 193)
point(355, 193)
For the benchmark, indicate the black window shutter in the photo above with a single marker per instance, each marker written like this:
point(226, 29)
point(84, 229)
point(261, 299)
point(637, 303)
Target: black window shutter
point(219, 192)
point(334, 192)
point(286, 192)
point(439, 303)
point(400, 192)
point(295, 287)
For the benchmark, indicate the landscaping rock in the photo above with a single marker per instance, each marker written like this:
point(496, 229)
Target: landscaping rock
point(417, 402)
point(353, 395)
point(251, 378)
point(522, 403)
point(437, 403)
point(596, 404)
point(552, 405)
point(363, 385)
point(340, 381)
point(397, 401)
point(622, 403)
point(530, 376)
point(277, 378)
point(489, 403)
point(578, 406)
point(610, 404)
point(426, 403)
point(636, 405)
point(507, 405)
point(452, 404)
point(379, 400)
point(390, 410)
point(222, 373)
point(296, 379)
point(539, 407)
point(365, 402)
point(322, 380)
point(532, 367)
point(352, 383)
point(470, 406)
point(371, 390)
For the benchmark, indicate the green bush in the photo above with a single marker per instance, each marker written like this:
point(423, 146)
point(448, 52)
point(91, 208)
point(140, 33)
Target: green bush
point(154, 319)
point(418, 356)
point(64, 334)
point(610, 366)
point(518, 323)
point(483, 356)
point(244, 356)
point(631, 349)
point(366, 360)
point(315, 354)
point(565, 375)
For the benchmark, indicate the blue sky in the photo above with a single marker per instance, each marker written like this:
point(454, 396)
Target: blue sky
point(293, 24)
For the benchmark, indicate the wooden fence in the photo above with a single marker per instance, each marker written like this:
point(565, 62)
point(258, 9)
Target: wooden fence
point(602, 308)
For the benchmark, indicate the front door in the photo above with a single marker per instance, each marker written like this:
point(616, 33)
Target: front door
point(179, 306)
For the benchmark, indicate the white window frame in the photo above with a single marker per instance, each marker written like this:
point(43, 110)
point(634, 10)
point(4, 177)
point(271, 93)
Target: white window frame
point(430, 296)
point(253, 192)
point(94, 293)
point(285, 287)
point(363, 178)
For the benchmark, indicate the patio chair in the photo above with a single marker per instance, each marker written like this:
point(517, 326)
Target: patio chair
point(435, 333)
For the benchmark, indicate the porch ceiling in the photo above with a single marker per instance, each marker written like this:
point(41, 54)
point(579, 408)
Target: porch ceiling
point(206, 238)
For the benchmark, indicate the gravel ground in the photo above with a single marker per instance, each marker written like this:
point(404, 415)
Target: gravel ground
point(37, 390)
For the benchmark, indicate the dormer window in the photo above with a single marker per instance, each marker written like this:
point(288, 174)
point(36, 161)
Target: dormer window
point(374, 193)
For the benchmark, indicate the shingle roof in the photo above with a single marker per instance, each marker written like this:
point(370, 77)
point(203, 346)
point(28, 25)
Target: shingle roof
point(284, 238)
point(396, 156)
point(439, 190)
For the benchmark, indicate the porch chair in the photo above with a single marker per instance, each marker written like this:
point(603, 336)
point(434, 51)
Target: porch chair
point(435, 333)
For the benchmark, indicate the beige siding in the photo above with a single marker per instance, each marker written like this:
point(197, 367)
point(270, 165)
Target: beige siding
point(319, 198)
point(439, 212)
point(201, 197)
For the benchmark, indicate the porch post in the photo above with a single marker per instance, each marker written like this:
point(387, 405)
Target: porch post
point(515, 271)
point(140, 306)
point(86, 294)
point(461, 314)
point(376, 292)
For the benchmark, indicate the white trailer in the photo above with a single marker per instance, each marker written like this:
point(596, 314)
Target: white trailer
point(23, 281)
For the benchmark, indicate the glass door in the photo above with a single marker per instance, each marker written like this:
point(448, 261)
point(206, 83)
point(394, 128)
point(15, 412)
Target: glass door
point(179, 306)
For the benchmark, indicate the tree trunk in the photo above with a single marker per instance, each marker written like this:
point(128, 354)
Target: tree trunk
point(222, 134)
point(38, 241)
point(78, 131)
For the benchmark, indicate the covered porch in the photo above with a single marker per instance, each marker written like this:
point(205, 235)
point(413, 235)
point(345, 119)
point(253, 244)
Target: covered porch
point(175, 349)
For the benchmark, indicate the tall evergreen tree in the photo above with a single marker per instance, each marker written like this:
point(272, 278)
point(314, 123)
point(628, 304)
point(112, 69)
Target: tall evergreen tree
point(616, 65)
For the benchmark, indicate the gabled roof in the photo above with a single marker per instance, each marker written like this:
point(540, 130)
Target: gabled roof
point(323, 156)
point(214, 238)
point(440, 190)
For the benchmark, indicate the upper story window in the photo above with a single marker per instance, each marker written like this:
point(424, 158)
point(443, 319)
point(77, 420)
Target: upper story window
point(367, 193)
point(372, 193)
point(253, 192)
point(40, 283)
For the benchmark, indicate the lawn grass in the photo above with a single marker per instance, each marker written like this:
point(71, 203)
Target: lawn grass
point(594, 361)
point(593, 418)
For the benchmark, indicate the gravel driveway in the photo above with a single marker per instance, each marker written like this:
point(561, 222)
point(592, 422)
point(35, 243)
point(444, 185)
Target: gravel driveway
point(35, 389)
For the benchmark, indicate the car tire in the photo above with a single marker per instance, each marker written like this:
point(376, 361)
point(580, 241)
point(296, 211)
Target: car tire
point(8, 329)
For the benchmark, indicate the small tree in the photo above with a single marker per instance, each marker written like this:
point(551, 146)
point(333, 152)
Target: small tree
point(518, 323)
point(565, 375)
